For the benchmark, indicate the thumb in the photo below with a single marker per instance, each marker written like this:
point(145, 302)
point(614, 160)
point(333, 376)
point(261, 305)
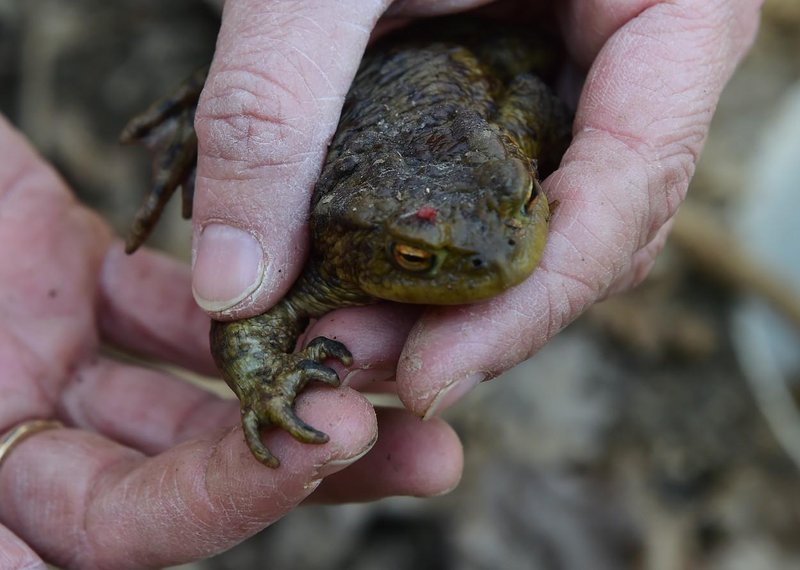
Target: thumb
point(268, 110)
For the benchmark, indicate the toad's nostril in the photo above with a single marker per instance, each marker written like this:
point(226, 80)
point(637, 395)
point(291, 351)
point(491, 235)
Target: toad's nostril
point(478, 262)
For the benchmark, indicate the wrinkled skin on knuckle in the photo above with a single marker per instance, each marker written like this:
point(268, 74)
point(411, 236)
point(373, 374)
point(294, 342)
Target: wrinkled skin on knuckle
point(568, 293)
point(703, 40)
point(238, 123)
point(603, 190)
point(642, 262)
point(530, 315)
point(274, 93)
point(561, 296)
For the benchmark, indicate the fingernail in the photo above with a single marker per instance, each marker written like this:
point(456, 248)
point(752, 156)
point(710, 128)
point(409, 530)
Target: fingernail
point(336, 465)
point(364, 376)
point(442, 493)
point(452, 393)
point(228, 266)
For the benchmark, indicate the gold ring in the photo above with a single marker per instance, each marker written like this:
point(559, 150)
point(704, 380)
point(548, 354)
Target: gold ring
point(19, 433)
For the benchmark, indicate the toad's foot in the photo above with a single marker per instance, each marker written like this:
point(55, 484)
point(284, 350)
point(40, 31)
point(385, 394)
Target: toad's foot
point(167, 129)
point(267, 384)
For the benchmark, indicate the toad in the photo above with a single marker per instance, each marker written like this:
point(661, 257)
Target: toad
point(429, 194)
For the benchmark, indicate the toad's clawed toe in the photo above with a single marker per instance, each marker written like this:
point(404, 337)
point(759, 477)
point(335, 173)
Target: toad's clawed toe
point(270, 409)
point(252, 434)
point(316, 371)
point(268, 381)
point(321, 348)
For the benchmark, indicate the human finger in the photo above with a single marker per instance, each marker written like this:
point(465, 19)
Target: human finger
point(145, 306)
point(588, 25)
point(410, 457)
point(268, 110)
point(147, 409)
point(641, 262)
point(623, 177)
point(152, 411)
point(374, 335)
point(16, 554)
point(102, 505)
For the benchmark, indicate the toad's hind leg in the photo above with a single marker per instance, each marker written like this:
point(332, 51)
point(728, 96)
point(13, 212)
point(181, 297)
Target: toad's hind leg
point(254, 356)
point(167, 129)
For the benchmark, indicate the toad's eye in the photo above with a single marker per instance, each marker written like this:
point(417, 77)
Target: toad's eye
point(412, 258)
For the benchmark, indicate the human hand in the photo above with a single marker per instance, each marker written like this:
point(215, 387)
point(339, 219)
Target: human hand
point(281, 71)
point(150, 472)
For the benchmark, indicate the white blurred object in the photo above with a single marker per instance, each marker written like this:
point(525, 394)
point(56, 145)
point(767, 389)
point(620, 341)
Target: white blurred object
point(768, 225)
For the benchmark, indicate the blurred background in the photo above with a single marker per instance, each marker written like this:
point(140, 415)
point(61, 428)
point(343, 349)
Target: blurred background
point(660, 431)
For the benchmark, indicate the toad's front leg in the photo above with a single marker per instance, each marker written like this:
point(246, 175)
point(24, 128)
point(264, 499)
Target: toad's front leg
point(255, 358)
point(167, 129)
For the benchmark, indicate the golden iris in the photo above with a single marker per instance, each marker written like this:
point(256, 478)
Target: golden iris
point(412, 258)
